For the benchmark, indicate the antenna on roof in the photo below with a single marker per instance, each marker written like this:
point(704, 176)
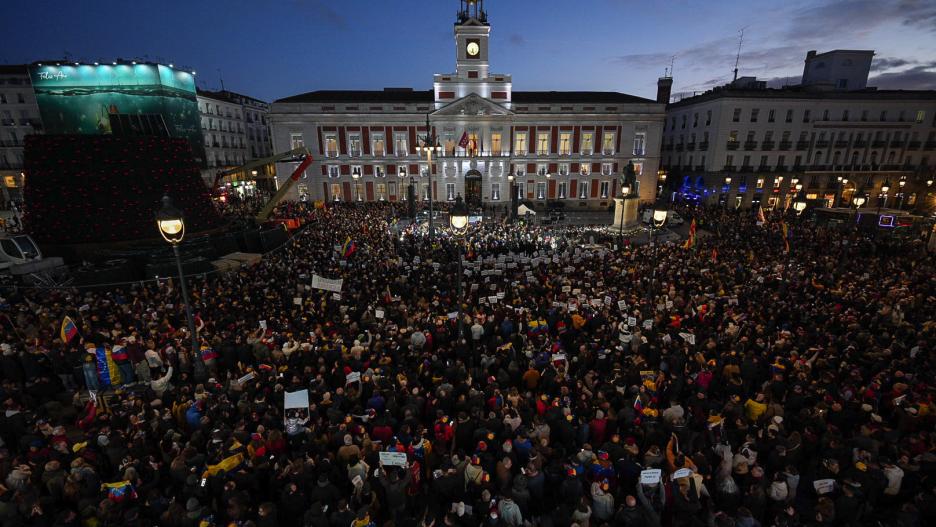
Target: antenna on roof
point(671, 62)
point(221, 78)
point(738, 57)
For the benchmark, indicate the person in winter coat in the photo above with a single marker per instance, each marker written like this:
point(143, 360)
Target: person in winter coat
point(602, 501)
point(395, 489)
point(509, 511)
point(160, 385)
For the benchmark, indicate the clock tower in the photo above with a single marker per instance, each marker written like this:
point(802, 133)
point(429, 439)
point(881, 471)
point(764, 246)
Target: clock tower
point(472, 33)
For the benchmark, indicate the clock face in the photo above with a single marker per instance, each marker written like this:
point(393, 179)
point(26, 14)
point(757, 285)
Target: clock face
point(473, 48)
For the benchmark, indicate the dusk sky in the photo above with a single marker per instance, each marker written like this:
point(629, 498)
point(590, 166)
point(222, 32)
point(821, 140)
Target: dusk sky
point(276, 48)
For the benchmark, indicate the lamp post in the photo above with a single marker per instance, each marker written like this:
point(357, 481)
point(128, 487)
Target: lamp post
point(661, 178)
point(547, 215)
point(430, 145)
point(514, 197)
point(458, 220)
point(883, 200)
point(727, 190)
point(659, 218)
point(843, 185)
point(901, 184)
point(858, 200)
point(171, 226)
point(800, 204)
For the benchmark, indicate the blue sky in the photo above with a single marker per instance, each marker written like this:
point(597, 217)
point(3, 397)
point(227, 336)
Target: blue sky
point(276, 48)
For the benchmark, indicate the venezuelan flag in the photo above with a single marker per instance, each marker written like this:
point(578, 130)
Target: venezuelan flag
point(69, 329)
point(107, 370)
point(348, 248)
point(119, 491)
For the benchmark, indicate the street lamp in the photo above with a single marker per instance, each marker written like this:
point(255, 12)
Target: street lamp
point(628, 179)
point(514, 197)
point(858, 200)
point(901, 184)
point(458, 220)
point(885, 187)
point(659, 218)
point(430, 145)
point(661, 177)
point(800, 205)
point(171, 224)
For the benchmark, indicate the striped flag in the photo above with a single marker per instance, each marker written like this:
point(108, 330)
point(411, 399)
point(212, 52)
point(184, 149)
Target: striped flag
point(463, 142)
point(761, 220)
point(119, 491)
point(69, 329)
point(690, 242)
point(348, 248)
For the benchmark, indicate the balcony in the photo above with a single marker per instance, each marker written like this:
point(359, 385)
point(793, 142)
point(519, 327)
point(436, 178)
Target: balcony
point(690, 146)
point(785, 145)
point(860, 143)
point(703, 145)
point(764, 168)
point(767, 145)
point(746, 168)
point(732, 145)
point(913, 145)
point(750, 145)
point(728, 168)
point(896, 144)
point(679, 147)
point(930, 145)
point(802, 145)
point(700, 168)
point(607, 152)
point(8, 122)
point(878, 144)
point(822, 143)
point(355, 153)
point(841, 144)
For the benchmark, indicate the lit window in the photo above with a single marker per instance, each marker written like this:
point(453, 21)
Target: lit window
point(607, 169)
point(333, 171)
point(640, 144)
point(379, 171)
point(495, 191)
point(450, 191)
point(607, 144)
point(541, 191)
point(399, 144)
point(605, 188)
point(542, 143)
point(588, 143)
point(542, 169)
point(583, 189)
point(496, 143)
point(336, 191)
point(331, 145)
point(381, 192)
point(585, 169)
point(378, 146)
point(562, 190)
point(520, 143)
point(294, 139)
point(354, 145)
point(563, 169)
point(565, 143)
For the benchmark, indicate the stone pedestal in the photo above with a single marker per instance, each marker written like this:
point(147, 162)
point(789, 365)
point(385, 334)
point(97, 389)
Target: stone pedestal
point(628, 208)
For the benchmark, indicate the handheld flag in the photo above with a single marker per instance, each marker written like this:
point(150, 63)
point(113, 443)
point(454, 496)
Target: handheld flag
point(714, 255)
point(348, 248)
point(69, 330)
point(119, 491)
point(463, 142)
point(690, 242)
point(786, 236)
point(761, 220)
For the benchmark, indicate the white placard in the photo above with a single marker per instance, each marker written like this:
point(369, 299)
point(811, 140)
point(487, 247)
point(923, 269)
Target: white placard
point(336, 296)
point(492, 299)
point(688, 337)
point(297, 301)
point(631, 321)
point(647, 324)
point(389, 459)
point(263, 325)
point(378, 313)
point(566, 288)
point(669, 304)
point(247, 378)
point(558, 356)
point(824, 486)
point(453, 315)
point(607, 300)
point(622, 305)
point(298, 399)
point(576, 291)
point(682, 473)
point(354, 376)
point(327, 284)
point(501, 295)
point(650, 476)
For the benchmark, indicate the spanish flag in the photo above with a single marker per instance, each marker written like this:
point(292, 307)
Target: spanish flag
point(690, 242)
point(69, 329)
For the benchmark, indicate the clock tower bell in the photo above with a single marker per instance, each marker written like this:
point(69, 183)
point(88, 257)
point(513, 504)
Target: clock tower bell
point(472, 33)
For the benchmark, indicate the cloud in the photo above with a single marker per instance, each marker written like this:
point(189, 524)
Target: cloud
point(919, 14)
point(920, 77)
point(322, 11)
point(889, 63)
point(517, 39)
point(856, 17)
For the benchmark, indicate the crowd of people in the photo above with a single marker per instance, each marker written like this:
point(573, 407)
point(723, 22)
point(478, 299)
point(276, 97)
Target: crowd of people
point(579, 380)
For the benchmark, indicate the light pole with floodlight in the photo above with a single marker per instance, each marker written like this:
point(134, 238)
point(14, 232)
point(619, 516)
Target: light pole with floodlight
point(430, 145)
point(458, 220)
point(171, 224)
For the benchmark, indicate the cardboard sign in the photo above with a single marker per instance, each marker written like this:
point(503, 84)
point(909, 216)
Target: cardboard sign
point(824, 486)
point(622, 305)
point(492, 299)
point(650, 476)
point(354, 376)
point(631, 321)
point(682, 473)
point(379, 313)
point(298, 399)
point(327, 284)
point(390, 459)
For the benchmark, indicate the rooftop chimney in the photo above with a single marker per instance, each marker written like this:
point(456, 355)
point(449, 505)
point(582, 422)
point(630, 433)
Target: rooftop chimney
point(664, 88)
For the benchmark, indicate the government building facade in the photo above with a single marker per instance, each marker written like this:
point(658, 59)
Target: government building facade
point(569, 147)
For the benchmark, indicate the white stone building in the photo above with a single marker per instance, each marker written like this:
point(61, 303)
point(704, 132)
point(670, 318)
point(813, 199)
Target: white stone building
point(19, 117)
point(566, 146)
point(236, 131)
point(743, 145)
